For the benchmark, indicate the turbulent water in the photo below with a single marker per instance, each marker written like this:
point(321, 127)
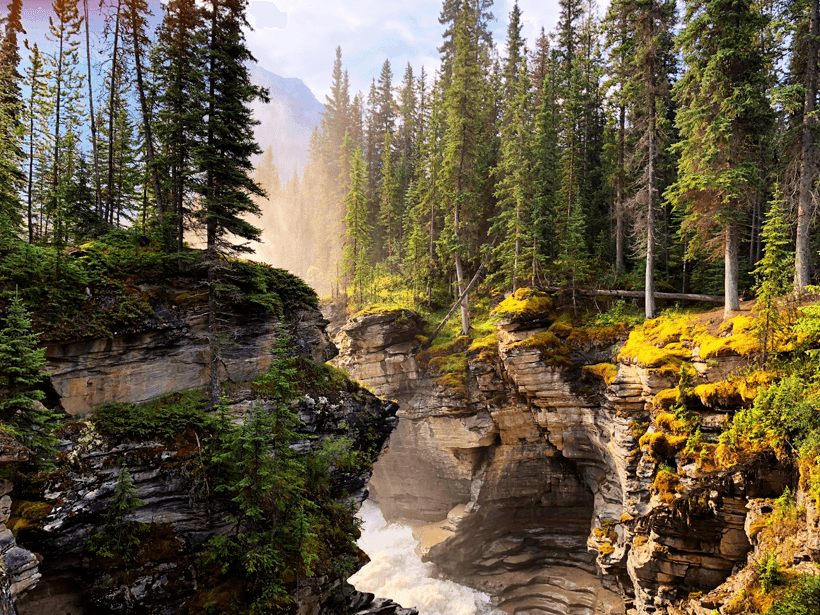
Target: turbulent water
point(396, 572)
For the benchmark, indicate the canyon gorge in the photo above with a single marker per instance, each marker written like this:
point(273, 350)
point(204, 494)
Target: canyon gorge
point(529, 473)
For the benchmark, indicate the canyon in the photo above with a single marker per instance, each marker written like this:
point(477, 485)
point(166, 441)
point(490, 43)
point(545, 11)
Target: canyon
point(528, 478)
point(531, 474)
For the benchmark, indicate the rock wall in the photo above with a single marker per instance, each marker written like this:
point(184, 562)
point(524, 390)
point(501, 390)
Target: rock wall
point(170, 352)
point(535, 467)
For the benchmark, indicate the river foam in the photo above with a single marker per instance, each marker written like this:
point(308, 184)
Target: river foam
point(395, 571)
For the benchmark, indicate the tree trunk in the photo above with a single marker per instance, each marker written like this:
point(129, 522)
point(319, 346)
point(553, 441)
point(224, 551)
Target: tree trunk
point(109, 197)
point(802, 269)
point(620, 231)
point(30, 194)
point(211, 226)
point(146, 120)
point(732, 301)
point(91, 111)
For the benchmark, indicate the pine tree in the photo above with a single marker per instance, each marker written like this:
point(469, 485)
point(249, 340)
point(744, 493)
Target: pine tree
point(514, 186)
point(390, 215)
point(224, 155)
point(11, 126)
point(722, 117)
point(774, 272)
point(358, 233)
point(464, 99)
point(21, 371)
point(180, 109)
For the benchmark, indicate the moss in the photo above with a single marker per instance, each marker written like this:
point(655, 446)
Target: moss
point(742, 341)
point(637, 429)
point(666, 482)
point(661, 446)
point(384, 308)
point(486, 346)
point(606, 371)
point(541, 341)
point(561, 328)
point(597, 337)
point(640, 540)
point(666, 398)
point(524, 302)
point(758, 526)
point(605, 549)
point(27, 515)
point(673, 424)
point(657, 343)
point(626, 517)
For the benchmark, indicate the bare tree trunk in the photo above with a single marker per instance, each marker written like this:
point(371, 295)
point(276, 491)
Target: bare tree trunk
point(91, 110)
point(620, 231)
point(802, 269)
point(213, 255)
point(732, 301)
point(30, 194)
point(146, 120)
point(109, 197)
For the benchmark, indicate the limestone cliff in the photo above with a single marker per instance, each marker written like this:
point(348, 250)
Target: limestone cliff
point(54, 514)
point(539, 472)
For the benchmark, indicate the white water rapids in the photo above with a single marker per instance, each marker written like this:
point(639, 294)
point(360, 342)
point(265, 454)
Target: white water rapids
point(395, 571)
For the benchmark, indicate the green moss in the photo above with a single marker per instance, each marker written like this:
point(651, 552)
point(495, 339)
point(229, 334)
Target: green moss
point(27, 515)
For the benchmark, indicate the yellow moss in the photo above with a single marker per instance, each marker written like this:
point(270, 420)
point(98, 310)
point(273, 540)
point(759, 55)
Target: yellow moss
point(666, 398)
point(742, 341)
point(758, 526)
point(561, 328)
point(666, 482)
point(524, 302)
point(607, 371)
point(640, 541)
point(671, 423)
point(724, 393)
point(656, 343)
point(542, 341)
point(661, 446)
point(626, 517)
point(638, 429)
point(605, 548)
point(488, 342)
point(747, 387)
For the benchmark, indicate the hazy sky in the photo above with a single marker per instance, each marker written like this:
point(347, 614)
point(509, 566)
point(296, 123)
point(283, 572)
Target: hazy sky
point(298, 38)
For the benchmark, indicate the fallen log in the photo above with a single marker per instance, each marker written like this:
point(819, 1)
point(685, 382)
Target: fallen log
point(639, 294)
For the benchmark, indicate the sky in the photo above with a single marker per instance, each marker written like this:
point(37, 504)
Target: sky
point(298, 38)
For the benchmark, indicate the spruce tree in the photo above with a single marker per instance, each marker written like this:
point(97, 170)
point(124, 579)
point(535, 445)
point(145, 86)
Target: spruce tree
point(358, 233)
point(224, 155)
point(722, 117)
point(21, 371)
point(774, 272)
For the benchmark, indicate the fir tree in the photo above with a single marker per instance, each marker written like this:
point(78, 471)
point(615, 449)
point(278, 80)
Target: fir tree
point(21, 371)
point(358, 234)
point(224, 155)
point(722, 117)
point(774, 272)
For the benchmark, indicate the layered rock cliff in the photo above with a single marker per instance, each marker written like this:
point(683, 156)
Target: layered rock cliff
point(53, 514)
point(534, 468)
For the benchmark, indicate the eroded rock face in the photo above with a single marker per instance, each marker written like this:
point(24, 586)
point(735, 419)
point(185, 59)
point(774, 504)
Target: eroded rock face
point(170, 352)
point(179, 514)
point(535, 468)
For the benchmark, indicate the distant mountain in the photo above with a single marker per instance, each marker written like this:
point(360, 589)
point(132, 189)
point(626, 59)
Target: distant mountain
point(286, 121)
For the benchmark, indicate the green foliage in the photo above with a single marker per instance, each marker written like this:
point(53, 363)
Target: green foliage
point(21, 365)
point(619, 313)
point(774, 272)
point(166, 417)
point(119, 539)
point(768, 570)
point(803, 598)
point(276, 290)
point(358, 233)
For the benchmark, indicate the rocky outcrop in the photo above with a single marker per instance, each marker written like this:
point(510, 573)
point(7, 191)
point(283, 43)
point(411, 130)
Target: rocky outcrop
point(534, 467)
point(169, 352)
point(177, 510)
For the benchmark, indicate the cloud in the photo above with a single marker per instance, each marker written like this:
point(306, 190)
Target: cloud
point(267, 15)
